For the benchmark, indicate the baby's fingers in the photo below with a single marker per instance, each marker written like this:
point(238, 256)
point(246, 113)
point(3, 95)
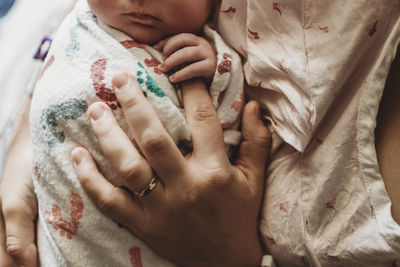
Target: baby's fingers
point(198, 69)
point(185, 55)
point(160, 45)
point(179, 41)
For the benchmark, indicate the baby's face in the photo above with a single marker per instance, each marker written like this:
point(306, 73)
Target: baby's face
point(149, 21)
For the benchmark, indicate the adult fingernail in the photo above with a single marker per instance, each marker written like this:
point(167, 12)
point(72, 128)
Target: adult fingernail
point(120, 80)
point(172, 77)
point(96, 110)
point(76, 156)
point(161, 66)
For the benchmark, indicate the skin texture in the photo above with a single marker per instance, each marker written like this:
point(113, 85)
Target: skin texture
point(192, 55)
point(201, 196)
point(18, 201)
point(172, 24)
point(186, 218)
point(19, 206)
point(169, 17)
point(17, 183)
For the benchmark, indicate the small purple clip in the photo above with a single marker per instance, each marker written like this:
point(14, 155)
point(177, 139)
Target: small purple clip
point(43, 49)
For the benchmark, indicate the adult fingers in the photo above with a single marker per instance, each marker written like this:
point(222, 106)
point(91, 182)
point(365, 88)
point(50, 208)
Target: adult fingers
point(5, 259)
point(19, 208)
point(112, 201)
point(255, 147)
point(20, 232)
point(179, 41)
point(153, 140)
point(184, 55)
point(207, 136)
point(132, 169)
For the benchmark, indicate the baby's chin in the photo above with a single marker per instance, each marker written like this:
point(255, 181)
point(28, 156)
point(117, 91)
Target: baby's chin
point(148, 36)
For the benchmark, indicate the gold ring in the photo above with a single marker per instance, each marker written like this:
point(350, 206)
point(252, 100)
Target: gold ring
point(148, 188)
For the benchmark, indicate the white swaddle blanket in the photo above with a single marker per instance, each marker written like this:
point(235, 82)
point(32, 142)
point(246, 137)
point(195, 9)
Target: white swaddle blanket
point(77, 72)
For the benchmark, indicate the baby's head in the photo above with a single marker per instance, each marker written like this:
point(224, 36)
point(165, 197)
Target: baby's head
point(149, 21)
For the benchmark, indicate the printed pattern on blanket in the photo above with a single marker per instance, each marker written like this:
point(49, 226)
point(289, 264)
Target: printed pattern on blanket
point(77, 72)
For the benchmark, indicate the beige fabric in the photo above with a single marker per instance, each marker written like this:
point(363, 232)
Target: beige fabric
point(319, 69)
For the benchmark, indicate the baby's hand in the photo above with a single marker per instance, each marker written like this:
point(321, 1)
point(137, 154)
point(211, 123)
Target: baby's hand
point(189, 56)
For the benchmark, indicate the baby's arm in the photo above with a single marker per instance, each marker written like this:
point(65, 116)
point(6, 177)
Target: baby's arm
point(187, 56)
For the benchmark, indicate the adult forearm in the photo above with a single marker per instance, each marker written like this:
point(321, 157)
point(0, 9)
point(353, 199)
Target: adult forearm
point(18, 202)
point(21, 137)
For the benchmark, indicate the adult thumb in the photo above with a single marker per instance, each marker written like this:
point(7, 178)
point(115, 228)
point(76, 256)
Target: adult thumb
point(20, 235)
point(5, 259)
point(254, 149)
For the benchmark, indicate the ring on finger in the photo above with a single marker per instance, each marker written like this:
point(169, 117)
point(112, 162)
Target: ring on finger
point(148, 189)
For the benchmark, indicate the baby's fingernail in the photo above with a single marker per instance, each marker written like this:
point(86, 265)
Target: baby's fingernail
point(120, 80)
point(96, 110)
point(76, 156)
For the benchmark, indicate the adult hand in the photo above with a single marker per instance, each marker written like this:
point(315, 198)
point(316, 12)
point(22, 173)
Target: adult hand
point(203, 211)
point(18, 205)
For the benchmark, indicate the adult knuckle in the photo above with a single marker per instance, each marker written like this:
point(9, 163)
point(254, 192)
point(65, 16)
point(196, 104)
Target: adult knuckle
point(130, 169)
point(153, 143)
point(264, 136)
point(129, 101)
point(202, 112)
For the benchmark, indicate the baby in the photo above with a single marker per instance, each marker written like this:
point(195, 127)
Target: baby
point(99, 38)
